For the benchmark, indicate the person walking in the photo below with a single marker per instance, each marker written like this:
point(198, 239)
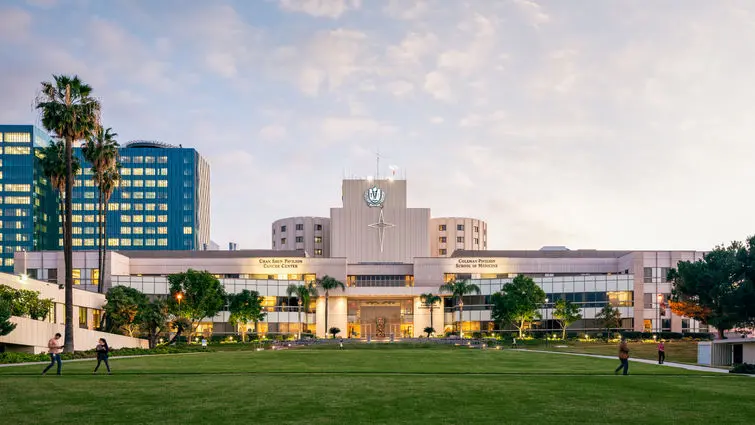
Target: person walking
point(55, 349)
point(623, 357)
point(103, 350)
point(340, 344)
point(661, 353)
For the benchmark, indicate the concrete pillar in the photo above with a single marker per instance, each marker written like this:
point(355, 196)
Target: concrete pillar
point(337, 315)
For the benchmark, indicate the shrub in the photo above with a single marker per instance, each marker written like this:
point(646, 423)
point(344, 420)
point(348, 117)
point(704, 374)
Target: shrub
point(476, 335)
point(743, 368)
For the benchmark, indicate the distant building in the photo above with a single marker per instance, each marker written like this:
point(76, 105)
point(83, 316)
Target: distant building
point(28, 204)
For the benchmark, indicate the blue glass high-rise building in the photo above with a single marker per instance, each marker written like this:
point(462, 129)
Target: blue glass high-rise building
point(162, 202)
point(28, 204)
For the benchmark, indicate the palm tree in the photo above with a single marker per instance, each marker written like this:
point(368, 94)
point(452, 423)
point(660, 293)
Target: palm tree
point(54, 168)
point(101, 150)
point(457, 289)
point(71, 113)
point(328, 284)
point(303, 295)
point(110, 180)
point(429, 300)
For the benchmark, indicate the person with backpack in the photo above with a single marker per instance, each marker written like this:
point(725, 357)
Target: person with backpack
point(102, 350)
point(661, 352)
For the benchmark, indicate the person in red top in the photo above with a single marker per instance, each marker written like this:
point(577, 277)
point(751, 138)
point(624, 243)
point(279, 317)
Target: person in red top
point(55, 348)
point(661, 353)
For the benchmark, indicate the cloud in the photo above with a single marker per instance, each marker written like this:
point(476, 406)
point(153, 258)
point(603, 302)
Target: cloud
point(44, 4)
point(338, 129)
point(15, 24)
point(533, 12)
point(320, 8)
point(437, 85)
point(273, 132)
point(406, 9)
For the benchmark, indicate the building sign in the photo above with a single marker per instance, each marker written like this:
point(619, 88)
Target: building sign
point(479, 265)
point(281, 263)
point(374, 197)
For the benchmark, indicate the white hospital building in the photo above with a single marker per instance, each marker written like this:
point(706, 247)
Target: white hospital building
point(387, 254)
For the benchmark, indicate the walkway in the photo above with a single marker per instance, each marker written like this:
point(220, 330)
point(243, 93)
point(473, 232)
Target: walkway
point(646, 361)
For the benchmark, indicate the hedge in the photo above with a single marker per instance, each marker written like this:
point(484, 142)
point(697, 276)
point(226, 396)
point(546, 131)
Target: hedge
point(13, 357)
point(743, 368)
point(631, 335)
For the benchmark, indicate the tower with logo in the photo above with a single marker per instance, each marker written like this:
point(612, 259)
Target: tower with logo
point(376, 226)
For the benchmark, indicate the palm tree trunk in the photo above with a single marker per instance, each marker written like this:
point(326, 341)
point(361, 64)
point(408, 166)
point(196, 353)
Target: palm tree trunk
point(461, 317)
point(326, 314)
point(103, 263)
point(300, 322)
point(68, 243)
point(431, 317)
point(99, 241)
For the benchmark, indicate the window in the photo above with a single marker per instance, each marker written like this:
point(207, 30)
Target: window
point(283, 241)
point(477, 229)
point(163, 171)
point(88, 207)
point(138, 183)
point(125, 183)
point(187, 230)
point(89, 242)
point(299, 239)
point(96, 316)
point(77, 242)
point(149, 171)
point(95, 276)
point(648, 274)
point(113, 207)
point(647, 300)
point(318, 251)
point(149, 218)
point(17, 188)
point(138, 219)
point(125, 242)
point(125, 230)
point(149, 230)
point(149, 242)
point(149, 159)
point(125, 171)
point(125, 207)
point(138, 230)
point(25, 200)
point(83, 317)
point(138, 159)
point(664, 273)
point(162, 218)
point(138, 242)
point(162, 230)
point(460, 227)
point(299, 227)
point(685, 325)
point(442, 239)
point(112, 242)
point(283, 229)
point(162, 242)
point(162, 159)
point(18, 137)
point(149, 183)
point(125, 219)
point(476, 241)
point(460, 239)
point(442, 228)
point(318, 239)
point(162, 207)
point(89, 219)
point(17, 150)
point(318, 227)
point(442, 252)
point(76, 276)
point(149, 207)
point(138, 171)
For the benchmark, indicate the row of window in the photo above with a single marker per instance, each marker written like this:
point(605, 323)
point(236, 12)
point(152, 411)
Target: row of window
point(655, 274)
point(114, 242)
point(15, 187)
point(16, 137)
point(16, 150)
point(144, 159)
point(300, 227)
point(459, 228)
point(459, 239)
point(120, 207)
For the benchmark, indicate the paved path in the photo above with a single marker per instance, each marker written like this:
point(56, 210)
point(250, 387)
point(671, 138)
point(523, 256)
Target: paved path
point(668, 364)
point(94, 358)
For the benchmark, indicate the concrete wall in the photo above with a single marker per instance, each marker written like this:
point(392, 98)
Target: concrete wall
point(447, 239)
point(283, 241)
point(354, 239)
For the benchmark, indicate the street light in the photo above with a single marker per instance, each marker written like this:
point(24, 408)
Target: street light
point(179, 297)
point(461, 319)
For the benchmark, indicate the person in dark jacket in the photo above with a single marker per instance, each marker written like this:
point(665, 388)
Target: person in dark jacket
point(623, 357)
point(102, 350)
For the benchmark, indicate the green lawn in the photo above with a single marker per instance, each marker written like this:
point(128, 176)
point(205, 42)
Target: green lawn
point(389, 385)
point(676, 351)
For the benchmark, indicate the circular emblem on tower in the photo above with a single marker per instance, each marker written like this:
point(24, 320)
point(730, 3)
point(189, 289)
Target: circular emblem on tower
point(374, 197)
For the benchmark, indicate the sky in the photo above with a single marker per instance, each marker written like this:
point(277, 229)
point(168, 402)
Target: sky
point(591, 124)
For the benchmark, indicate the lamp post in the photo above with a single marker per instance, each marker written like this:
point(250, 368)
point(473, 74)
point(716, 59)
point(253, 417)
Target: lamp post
point(545, 307)
point(658, 313)
point(300, 304)
point(179, 297)
point(461, 319)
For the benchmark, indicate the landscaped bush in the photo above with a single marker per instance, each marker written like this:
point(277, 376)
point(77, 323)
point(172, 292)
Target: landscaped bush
point(10, 357)
point(476, 335)
point(743, 368)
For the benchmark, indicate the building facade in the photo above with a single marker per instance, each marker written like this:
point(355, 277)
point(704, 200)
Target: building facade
point(380, 250)
point(28, 204)
point(310, 234)
point(449, 234)
point(162, 202)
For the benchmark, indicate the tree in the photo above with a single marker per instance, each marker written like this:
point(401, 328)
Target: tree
point(429, 330)
point(181, 325)
point(71, 113)
point(457, 289)
point(566, 313)
point(245, 307)
point(328, 284)
point(6, 326)
point(609, 318)
point(303, 294)
point(122, 309)
point(101, 150)
point(54, 168)
point(153, 319)
point(713, 285)
point(203, 296)
point(428, 301)
point(334, 331)
point(518, 302)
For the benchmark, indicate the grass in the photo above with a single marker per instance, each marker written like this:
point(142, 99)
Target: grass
point(381, 385)
point(676, 351)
